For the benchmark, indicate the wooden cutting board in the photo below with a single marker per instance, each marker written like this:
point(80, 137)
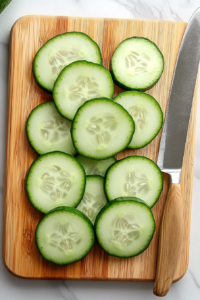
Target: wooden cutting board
point(20, 218)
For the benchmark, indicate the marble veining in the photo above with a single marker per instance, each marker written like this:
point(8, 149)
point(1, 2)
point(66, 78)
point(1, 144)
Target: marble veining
point(193, 277)
point(148, 9)
point(68, 294)
point(15, 288)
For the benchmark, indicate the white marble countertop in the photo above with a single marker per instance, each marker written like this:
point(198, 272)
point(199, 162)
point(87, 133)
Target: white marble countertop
point(15, 288)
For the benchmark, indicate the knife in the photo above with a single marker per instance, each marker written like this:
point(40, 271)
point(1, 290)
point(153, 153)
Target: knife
point(171, 152)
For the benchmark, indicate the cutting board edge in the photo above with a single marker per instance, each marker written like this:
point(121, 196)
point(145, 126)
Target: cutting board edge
point(96, 18)
point(11, 270)
point(6, 149)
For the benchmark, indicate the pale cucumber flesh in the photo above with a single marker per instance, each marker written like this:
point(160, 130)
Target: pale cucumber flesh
point(95, 167)
point(94, 197)
point(64, 236)
point(125, 227)
point(55, 179)
point(79, 82)
point(59, 52)
point(146, 113)
point(137, 64)
point(101, 128)
point(48, 131)
point(134, 176)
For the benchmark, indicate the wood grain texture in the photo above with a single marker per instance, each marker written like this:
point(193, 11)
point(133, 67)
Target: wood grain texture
point(20, 218)
point(170, 241)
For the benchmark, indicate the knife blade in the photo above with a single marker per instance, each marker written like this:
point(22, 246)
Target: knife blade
point(171, 152)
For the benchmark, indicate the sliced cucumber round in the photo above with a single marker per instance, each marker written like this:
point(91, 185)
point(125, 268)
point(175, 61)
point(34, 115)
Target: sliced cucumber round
point(64, 235)
point(55, 179)
point(94, 197)
point(101, 128)
point(146, 113)
point(95, 167)
point(60, 51)
point(137, 64)
point(48, 131)
point(134, 176)
point(79, 82)
point(125, 227)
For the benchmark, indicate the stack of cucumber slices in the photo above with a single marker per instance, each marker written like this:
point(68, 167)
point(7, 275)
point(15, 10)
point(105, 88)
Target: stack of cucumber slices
point(76, 181)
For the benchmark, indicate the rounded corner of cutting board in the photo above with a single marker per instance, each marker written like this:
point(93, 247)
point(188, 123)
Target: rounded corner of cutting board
point(181, 273)
point(22, 20)
point(19, 21)
point(11, 270)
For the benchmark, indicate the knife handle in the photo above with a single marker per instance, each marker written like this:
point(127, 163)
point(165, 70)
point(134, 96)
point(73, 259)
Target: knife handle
point(170, 241)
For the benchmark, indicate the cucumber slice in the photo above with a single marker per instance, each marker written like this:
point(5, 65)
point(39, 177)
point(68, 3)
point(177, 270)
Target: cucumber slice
point(55, 179)
point(94, 197)
point(95, 167)
point(59, 52)
point(48, 131)
point(137, 64)
point(101, 128)
point(78, 82)
point(3, 4)
point(125, 227)
point(134, 176)
point(146, 113)
point(64, 235)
